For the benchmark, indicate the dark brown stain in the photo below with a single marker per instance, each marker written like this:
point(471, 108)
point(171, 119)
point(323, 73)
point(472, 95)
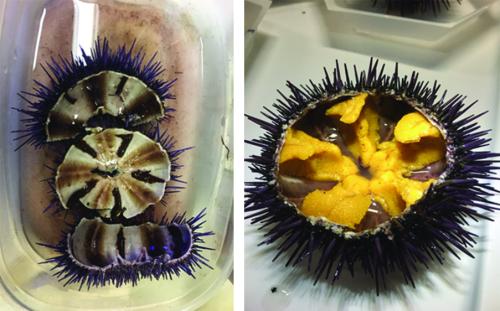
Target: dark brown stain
point(83, 146)
point(145, 176)
point(126, 139)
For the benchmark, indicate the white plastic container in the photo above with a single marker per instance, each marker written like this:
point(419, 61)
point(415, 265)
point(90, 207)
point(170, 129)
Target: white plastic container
point(254, 13)
point(206, 25)
point(366, 18)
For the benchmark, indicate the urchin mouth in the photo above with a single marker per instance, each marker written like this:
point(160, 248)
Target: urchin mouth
point(109, 172)
point(323, 127)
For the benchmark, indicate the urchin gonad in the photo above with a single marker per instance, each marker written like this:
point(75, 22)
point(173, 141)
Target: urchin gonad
point(96, 254)
point(377, 170)
point(115, 172)
point(356, 160)
point(100, 114)
point(105, 83)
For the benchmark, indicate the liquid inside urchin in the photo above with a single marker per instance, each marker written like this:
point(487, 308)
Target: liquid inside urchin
point(369, 169)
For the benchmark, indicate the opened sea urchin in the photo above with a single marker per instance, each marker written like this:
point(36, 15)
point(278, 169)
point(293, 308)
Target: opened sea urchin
point(376, 170)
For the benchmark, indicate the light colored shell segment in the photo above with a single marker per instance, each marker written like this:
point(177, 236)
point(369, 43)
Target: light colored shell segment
point(95, 244)
point(116, 172)
point(107, 92)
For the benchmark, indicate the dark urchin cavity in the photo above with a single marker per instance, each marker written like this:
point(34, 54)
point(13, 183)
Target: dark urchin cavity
point(435, 225)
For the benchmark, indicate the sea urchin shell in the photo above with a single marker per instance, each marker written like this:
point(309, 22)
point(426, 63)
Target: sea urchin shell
point(428, 227)
point(113, 171)
point(106, 82)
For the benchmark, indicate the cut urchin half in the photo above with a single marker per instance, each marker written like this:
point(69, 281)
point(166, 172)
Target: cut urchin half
point(95, 254)
point(106, 83)
point(377, 170)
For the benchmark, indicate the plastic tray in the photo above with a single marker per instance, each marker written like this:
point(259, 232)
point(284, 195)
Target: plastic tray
point(293, 43)
point(30, 284)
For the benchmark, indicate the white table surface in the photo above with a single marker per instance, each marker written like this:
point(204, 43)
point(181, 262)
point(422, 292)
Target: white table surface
point(293, 42)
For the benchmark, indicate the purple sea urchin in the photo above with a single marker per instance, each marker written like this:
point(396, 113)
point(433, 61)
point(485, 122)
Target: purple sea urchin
point(96, 254)
point(117, 83)
point(434, 222)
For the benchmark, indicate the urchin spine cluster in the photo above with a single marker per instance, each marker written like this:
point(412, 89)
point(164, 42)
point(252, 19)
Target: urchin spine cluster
point(417, 6)
point(64, 74)
point(434, 226)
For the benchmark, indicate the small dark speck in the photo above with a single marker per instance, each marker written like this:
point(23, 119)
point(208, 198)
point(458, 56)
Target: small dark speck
point(273, 289)
point(251, 30)
point(178, 72)
point(303, 12)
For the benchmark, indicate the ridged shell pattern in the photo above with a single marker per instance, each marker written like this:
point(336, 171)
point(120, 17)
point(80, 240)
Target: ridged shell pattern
point(113, 169)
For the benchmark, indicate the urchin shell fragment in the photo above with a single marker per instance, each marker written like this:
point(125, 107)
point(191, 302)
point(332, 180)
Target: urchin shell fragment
point(98, 245)
point(105, 93)
point(116, 172)
point(437, 223)
point(119, 85)
point(94, 253)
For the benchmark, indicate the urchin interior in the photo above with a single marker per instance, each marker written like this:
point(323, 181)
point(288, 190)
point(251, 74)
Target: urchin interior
point(115, 172)
point(359, 160)
point(105, 93)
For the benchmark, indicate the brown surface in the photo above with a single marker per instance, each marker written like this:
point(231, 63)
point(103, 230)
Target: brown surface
point(178, 46)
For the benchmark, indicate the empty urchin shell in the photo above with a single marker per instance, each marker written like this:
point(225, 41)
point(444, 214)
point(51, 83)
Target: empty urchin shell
point(117, 84)
point(370, 169)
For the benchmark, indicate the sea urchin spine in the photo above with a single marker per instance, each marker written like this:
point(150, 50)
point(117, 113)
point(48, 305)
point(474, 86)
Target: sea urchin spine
point(412, 6)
